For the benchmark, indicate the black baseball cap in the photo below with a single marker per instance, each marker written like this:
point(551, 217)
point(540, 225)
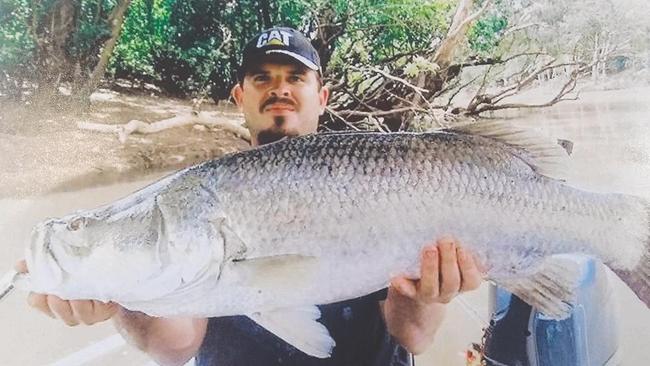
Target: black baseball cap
point(279, 40)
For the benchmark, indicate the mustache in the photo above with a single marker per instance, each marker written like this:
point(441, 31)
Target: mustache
point(276, 99)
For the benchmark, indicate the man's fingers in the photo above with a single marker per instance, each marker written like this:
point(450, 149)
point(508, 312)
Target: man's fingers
point(449, 272)
point(104, 311)
point(72, 312)
point(39, 302)
point(21, 266)
point(429, 284)
point(404, 286)
point(83, 311)
point(471, 277)
point(62, 309)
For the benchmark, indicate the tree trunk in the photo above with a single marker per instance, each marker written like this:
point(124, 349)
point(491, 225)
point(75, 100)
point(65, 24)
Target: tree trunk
point(116, 20)
point(455, 36)
point(444, 55)
point(329, 31)
point(594, 68)
point(604, 57)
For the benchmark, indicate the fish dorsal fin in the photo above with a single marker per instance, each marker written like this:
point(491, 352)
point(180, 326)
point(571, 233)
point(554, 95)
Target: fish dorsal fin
point(299, 328)
point(552, 289)
point(545, 157)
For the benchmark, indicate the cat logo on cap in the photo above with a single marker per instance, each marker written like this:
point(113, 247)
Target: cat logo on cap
point(274, 37)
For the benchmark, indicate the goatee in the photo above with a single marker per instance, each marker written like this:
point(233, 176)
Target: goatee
point(273, 135)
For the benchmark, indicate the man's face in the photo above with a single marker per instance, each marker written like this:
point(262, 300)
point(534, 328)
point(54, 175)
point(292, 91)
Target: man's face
point(280, 99)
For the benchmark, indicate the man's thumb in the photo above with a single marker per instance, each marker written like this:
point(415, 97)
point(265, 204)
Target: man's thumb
point(21, 266)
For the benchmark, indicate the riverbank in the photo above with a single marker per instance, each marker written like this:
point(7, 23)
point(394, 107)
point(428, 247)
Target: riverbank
point(45, 151)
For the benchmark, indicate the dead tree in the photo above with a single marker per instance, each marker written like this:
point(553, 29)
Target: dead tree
point(483, 101)
point(384, 98)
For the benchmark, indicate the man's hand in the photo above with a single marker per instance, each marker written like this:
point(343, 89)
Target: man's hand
point(446, 270)
point(414, 309)
point(73, 312)
point(167, 341)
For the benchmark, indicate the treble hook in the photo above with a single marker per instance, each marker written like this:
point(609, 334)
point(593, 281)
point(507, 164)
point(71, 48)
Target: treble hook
point(8, 283)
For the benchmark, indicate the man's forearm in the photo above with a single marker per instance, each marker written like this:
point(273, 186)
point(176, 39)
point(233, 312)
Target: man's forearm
point(167, 341)
point(413, 324)
point(134, 327)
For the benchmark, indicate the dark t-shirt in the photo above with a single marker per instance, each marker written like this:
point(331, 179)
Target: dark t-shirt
point(356, 325)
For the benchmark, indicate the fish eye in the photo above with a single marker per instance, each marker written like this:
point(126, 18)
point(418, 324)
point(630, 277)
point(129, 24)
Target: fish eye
point(76, 224)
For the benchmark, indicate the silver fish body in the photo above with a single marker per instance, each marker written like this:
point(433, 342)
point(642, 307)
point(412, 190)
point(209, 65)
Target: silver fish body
point(323, 218)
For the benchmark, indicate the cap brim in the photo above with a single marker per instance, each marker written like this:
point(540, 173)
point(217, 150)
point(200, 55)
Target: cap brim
point(298, 57)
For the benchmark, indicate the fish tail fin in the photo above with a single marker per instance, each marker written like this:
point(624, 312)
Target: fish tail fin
point(638, 278)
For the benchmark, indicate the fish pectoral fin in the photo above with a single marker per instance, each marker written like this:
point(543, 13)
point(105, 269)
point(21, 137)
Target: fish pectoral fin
point(278, 273)
point(299, 328)
point(233, 245)
point(552, 289)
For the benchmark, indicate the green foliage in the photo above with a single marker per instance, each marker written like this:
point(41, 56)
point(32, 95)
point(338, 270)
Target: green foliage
point(383, 29)
point(146, 29)
point(485, 35)
point(295, 14)
point(419, 64)
point(48, 42)
point(190, 47)
point(91, 29)
point(195, 49)
point(177, 44)
point(16, 44)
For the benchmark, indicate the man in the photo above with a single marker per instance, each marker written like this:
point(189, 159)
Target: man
point(281, 95)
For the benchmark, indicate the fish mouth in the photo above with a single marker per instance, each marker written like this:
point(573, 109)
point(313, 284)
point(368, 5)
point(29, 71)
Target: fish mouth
point(43, 265)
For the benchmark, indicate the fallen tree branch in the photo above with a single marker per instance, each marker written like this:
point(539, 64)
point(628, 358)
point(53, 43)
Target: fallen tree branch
point(520, 27)
point(522, 105)
point(395, 78)
point(455, 92)
point(335, 114)
point(568, 87)
point(514, 90)
point(135, 126)
point(381, 113)
point(494, 61)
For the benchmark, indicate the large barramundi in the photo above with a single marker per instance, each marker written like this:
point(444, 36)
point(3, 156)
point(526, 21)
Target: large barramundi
point(317, 219)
